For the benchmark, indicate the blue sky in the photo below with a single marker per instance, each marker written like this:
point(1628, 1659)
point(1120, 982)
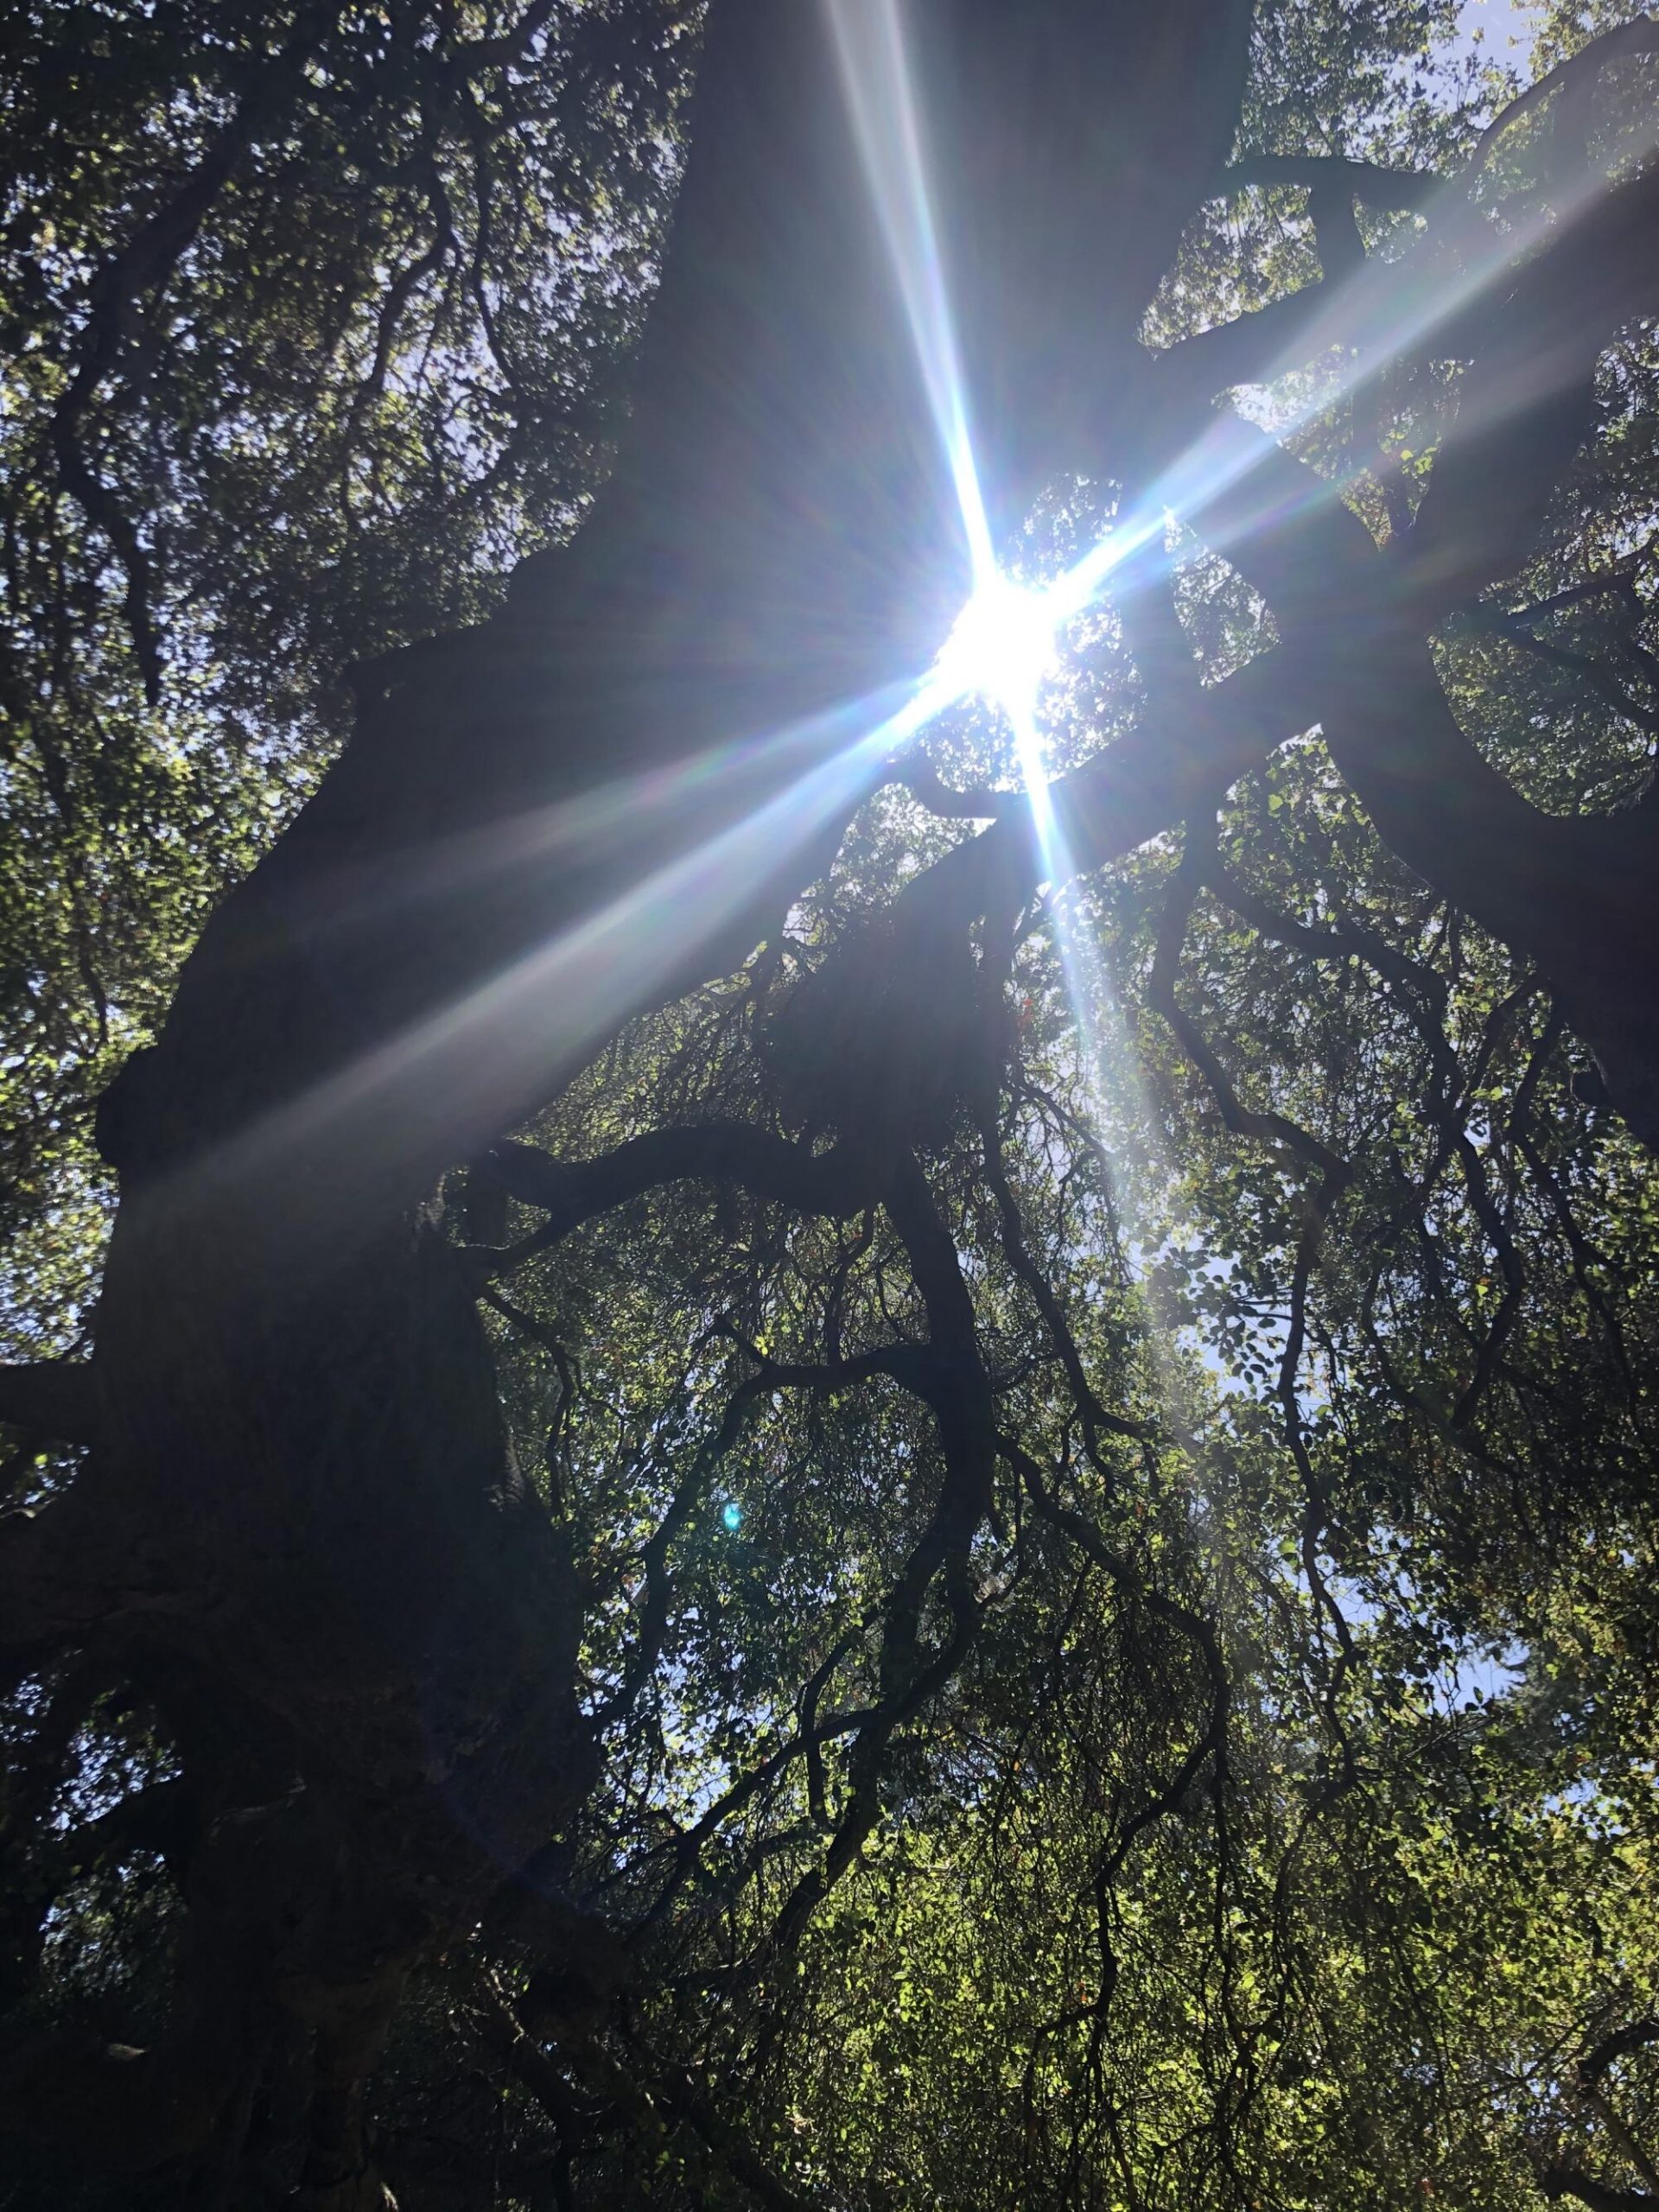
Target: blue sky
point(1500, 20)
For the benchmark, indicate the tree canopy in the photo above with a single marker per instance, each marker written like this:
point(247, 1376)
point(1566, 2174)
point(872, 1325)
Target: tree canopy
point(797, 1418)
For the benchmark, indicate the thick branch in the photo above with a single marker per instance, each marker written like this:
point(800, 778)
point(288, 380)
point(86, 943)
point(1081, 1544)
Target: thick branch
point(252, 1886)
point(1130, 793)
point(1526, 402)
point(1371, 181)
point(573, 1191)
point(54, 1399)
point(1557, 2182)
point(1640, 36)
point(62, 1572)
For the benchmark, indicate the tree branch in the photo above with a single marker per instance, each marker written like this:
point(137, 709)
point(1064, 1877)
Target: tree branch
point(1371, 181)
point(1557, 2182)
point(572, 1192)
point(1526, 402)
point(55, 1399)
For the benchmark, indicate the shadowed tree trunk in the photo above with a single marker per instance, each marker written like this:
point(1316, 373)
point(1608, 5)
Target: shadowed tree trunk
point(300, 1525)
point(300, 1529)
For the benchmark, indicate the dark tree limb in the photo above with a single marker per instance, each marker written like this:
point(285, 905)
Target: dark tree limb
point(57, 1577)
point(1128, 793)
point(1252, 347)
point(1526, 402)
point(1558, 2181)
point(131, 2110)
point(1372, 181)
point(924, 783)
point(54, 1400)
point(573, 1191)
point(1639, 37)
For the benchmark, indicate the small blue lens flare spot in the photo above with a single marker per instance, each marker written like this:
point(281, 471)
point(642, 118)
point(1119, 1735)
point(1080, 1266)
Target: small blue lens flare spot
point(732, 1513)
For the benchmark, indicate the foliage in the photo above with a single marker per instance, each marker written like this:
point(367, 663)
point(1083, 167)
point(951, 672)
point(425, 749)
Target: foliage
point(303, 309)
point(1254, 1805)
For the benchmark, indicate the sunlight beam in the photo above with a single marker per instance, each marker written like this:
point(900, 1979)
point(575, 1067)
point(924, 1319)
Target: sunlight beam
point(520, 1031)
point(1004, 645)
point(881, 100)
point(1385, 310)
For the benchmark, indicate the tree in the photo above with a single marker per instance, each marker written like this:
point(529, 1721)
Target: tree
point(932, 1672)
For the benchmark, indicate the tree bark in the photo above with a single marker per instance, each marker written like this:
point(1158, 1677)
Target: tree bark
point(298, 1435)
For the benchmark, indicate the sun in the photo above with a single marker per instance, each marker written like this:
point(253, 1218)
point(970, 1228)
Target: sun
point(1005, 643)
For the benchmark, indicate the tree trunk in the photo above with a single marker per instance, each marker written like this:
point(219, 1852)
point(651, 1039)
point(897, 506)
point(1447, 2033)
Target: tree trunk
point(298, 1429)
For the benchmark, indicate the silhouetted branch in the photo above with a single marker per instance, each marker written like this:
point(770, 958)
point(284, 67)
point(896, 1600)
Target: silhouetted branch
point(55, 1399)
point(573, 1191)
point(1557, 2182)
point(1371, 181)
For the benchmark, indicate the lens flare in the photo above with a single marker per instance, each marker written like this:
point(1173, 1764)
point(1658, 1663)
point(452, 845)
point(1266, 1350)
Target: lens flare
point(1003, 647)
point(882, 101)
point(520, 1030)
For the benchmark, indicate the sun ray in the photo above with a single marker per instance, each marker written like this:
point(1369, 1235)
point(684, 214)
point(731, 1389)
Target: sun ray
point(488, 1042)
point(1375, 317)
point(882, 101)
point(513, 1035)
